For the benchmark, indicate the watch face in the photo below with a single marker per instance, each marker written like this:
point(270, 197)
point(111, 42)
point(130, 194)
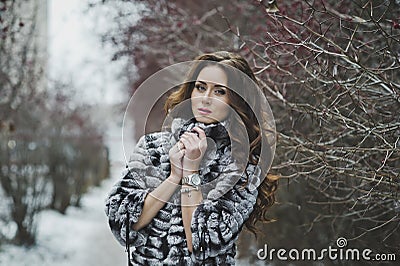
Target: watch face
point(196, 180)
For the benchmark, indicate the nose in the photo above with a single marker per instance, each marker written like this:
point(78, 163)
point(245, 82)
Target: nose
point(206, 99)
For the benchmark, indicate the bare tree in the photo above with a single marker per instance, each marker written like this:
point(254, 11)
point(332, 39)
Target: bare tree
point(45, 140)
point(333, 69)
point(77, 157)
point(21, 80)
point(330, 70)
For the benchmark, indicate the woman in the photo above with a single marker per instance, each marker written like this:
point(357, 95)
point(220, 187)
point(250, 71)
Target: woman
point(189, 190)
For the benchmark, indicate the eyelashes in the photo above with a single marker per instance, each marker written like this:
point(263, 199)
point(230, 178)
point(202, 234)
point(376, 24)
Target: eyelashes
point(220, 92)
point(217, 91)
point(200, 87)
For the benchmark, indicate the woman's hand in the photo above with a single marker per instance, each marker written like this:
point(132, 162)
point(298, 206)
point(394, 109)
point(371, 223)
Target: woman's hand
point(176, 154)
point(195, 147)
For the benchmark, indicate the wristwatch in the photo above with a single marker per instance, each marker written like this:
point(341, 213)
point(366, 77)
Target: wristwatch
point(192, 180)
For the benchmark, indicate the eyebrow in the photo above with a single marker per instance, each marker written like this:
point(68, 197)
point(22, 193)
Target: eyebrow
point(216, 85)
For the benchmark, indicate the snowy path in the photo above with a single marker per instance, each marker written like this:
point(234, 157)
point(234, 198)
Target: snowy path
point(82, 236)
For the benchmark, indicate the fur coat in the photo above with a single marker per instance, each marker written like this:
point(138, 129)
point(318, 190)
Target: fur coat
point(216, 222)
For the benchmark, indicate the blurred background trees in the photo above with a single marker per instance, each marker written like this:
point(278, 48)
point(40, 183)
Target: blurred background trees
point(330, 70)
point(51, 151)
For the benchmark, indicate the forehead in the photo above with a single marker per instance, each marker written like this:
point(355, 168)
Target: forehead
point(213, 74)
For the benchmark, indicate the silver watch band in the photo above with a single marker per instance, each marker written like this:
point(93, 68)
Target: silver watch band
point(187, 190)
point(191, 180)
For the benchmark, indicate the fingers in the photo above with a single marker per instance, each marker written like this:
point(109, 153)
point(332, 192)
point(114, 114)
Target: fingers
point(195, 139)
point(188, 136)
point(176, 155)
point(202, 134)
point(201, 138)
point(194, 135)
point(179, 149)
point(185, 141)
point(180, 145)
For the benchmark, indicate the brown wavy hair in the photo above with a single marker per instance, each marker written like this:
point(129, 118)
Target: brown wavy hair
point(239, 100)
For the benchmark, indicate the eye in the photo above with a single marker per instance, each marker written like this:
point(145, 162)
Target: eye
point(200, 87)
point(220, 92)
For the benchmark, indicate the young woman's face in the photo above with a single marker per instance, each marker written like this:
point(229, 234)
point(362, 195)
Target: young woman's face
point(209, 97)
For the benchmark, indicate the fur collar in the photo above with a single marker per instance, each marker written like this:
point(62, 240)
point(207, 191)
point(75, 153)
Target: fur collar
point(216, 131)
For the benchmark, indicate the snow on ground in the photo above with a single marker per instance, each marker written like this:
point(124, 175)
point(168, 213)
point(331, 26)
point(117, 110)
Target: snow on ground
point(82, 236)
point(79, 238)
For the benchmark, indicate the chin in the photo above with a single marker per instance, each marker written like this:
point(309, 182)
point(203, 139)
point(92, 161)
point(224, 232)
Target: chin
point(205, 120)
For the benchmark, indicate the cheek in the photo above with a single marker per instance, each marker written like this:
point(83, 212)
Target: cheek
point(193, 97)
point(194, 100)
point(223, 107)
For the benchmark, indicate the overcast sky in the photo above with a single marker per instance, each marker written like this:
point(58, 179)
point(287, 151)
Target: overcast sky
point(76, 55)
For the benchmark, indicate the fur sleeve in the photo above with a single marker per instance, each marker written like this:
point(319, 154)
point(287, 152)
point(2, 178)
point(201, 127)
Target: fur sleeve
point(217, 222)
point(144, 172)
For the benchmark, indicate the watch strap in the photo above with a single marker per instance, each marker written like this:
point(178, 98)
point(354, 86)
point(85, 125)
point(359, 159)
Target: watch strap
point(187, 180)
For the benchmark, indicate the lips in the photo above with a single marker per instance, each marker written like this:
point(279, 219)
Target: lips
point(204, 111)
